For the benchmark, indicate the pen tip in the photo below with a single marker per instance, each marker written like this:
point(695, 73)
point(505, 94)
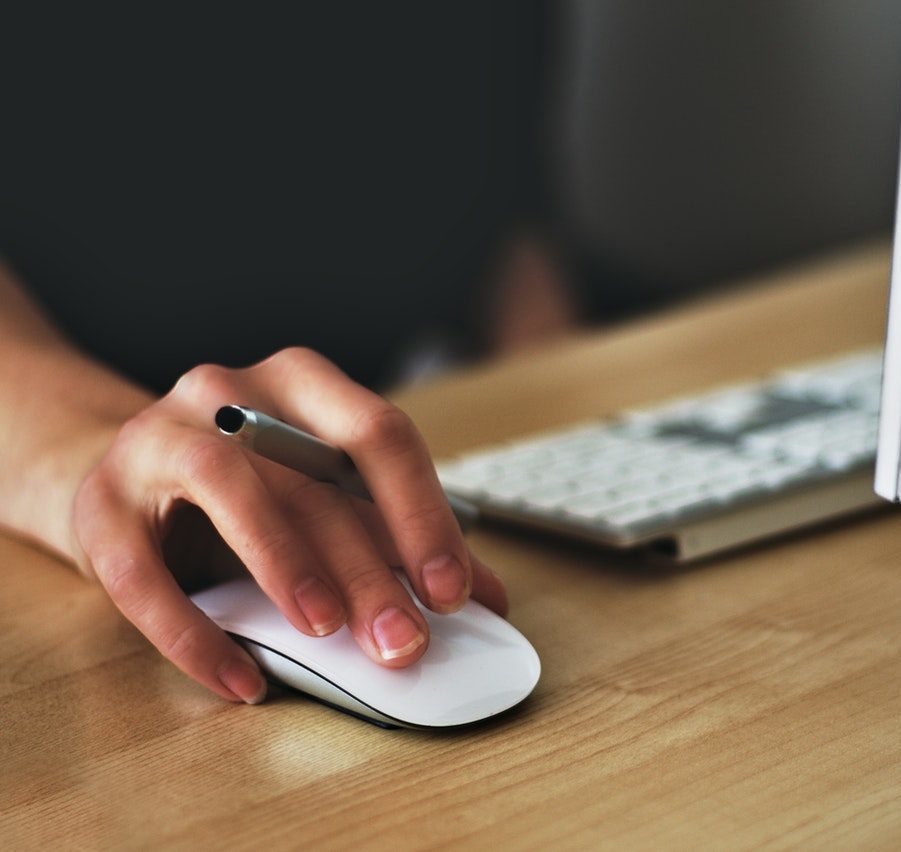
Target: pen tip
point(230, 419)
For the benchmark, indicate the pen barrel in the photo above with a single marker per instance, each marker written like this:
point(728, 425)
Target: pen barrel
point(285, 444)
point(303, 452)
point(326, 463)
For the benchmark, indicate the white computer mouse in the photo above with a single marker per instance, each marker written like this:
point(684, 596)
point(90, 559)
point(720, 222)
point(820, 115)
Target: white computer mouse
point(477, 664)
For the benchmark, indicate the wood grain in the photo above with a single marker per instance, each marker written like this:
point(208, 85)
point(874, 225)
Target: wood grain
point(753, 701)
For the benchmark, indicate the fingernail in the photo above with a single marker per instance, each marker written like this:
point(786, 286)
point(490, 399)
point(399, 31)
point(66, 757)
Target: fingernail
point(243, 680)
point(445, 581)
point(396, 633)
point(319, 604)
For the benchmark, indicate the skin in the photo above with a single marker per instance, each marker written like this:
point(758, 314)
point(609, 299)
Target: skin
point(138, 491)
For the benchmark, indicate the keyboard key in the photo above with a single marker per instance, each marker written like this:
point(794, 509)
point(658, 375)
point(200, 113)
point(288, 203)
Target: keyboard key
point(632, 514)
point(656, 465)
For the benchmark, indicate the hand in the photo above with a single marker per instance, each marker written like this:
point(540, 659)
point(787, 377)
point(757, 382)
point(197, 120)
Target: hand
point(322, 557)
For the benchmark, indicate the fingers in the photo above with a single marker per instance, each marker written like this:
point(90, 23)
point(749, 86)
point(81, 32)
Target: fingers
point(304, 388)
point(218, 477)
point(383, 619)
point(128, 564)
point(304, 542)
point(307, 561)
point(304, 545)
point(487, 587)
point(394, 461)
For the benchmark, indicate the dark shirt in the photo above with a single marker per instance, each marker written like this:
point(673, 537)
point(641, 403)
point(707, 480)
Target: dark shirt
point(180, 186)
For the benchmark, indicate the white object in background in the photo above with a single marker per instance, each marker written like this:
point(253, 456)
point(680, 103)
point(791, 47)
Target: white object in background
point(888, 453)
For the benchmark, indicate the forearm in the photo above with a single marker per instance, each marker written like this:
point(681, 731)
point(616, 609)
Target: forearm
point(59, 411)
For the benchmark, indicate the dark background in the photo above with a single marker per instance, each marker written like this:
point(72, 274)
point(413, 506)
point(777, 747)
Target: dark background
point(183, 184)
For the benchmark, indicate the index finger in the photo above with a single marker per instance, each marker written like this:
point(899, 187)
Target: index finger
point(394, 461)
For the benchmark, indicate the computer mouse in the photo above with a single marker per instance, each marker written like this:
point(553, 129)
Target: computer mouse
point(477, 664)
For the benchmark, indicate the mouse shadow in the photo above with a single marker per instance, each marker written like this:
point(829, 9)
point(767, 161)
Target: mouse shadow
point(279, 691)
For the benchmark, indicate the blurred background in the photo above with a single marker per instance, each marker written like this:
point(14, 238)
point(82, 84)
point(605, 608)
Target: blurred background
point(407, 186)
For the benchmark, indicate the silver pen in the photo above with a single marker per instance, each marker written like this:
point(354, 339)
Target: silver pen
point(280, 442)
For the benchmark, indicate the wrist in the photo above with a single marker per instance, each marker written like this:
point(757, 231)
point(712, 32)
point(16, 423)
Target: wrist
point(41, 511)
point(54, 441)
point(59, 412)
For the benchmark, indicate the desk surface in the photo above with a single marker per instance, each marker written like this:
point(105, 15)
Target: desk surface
point(752, 701)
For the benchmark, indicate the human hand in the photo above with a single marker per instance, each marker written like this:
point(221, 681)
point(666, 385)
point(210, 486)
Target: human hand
point(322, 557)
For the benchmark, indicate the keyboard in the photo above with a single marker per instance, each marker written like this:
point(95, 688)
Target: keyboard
point(697, 475)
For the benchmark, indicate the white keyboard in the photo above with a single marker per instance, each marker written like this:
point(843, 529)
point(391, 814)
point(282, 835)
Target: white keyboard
point(784, 452)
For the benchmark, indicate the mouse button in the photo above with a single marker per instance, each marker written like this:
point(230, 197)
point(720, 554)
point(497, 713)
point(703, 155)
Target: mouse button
point(483, 669)
point(480, 668)
point(240, 607)
point(223, 604)
point(467, 633)
point(475, 629)
point(336, 657)
point(456, 687)
point(479, 708)
point(389, 690)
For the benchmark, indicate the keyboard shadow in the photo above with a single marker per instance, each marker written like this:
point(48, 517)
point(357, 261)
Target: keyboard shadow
point(651, 563)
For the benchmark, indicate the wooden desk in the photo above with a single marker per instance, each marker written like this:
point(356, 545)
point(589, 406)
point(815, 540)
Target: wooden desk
point(752, 701)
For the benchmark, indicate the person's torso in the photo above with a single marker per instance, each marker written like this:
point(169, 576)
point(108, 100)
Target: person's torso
point(179, 187)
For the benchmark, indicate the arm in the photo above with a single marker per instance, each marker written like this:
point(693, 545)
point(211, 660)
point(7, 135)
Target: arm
point(59, 412)
point(98, 470)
